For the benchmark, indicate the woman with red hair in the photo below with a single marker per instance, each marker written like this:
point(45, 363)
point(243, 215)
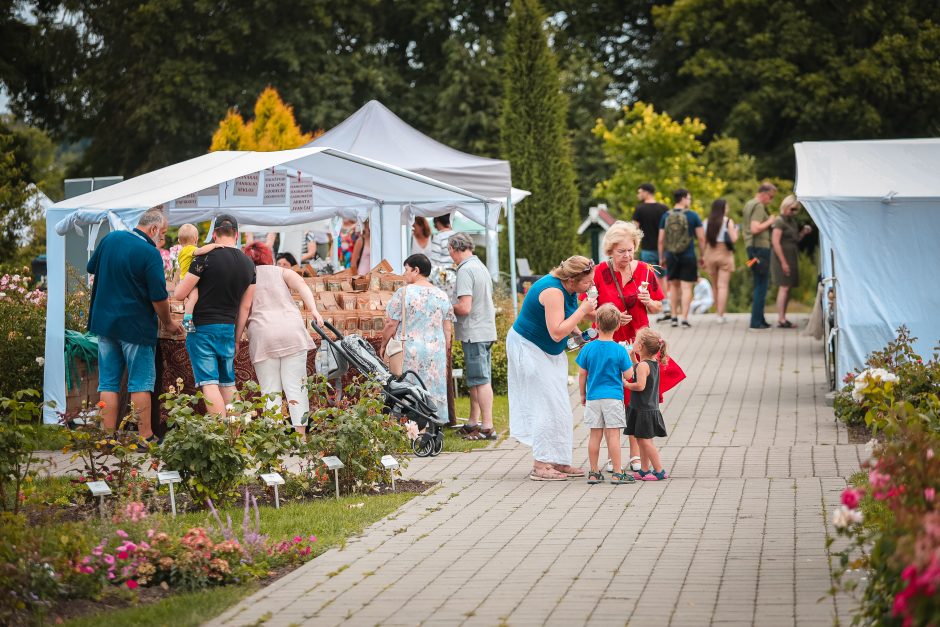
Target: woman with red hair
point(278, 340)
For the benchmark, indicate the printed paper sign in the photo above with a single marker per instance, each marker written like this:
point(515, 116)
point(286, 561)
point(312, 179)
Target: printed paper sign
point(210, 191)
point(187, 201)
point(301, 195)
point(247, 185)
point(275, 189)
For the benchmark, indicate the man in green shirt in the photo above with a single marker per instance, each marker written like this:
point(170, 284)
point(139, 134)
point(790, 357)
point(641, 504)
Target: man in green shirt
point(756, 224)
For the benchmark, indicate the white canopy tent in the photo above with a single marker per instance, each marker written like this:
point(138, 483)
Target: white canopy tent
point(877, 206)
point(263, 188)
point(375, 132)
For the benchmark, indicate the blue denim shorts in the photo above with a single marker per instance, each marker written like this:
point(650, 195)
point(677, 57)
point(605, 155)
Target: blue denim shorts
point(211, 349)
point(477, 365)
point(651, 257)
point(115, 355)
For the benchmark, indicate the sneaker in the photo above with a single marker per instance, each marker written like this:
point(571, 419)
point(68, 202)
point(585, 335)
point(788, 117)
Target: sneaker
point(721, 320)
point(675, 322)
point(664, 318)
point(761, 327)
point(685, 324)
point(595, 477)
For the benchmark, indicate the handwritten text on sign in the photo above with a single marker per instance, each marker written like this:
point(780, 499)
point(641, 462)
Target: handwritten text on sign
point(247, 185)
point(275, 189)
point(301, 195)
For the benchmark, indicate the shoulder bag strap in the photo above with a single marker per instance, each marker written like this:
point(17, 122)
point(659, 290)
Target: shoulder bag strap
point(404, 313)
point(617, 284)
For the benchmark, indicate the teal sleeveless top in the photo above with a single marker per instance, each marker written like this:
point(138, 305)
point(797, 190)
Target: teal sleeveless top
point(531, 321)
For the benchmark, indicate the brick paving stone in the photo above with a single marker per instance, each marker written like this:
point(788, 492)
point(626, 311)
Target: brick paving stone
point(736, 537)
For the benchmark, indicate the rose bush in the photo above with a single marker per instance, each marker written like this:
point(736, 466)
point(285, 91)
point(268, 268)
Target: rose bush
point(891, 517)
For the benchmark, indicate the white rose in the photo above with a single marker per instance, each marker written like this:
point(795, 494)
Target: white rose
point(41, 361)
point(841, 517)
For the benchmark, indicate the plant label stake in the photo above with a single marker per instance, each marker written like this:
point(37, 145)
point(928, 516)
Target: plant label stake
point(274, 479)
point(169, 477)
point(390, 464)
point(101, 490)
point(333, 463)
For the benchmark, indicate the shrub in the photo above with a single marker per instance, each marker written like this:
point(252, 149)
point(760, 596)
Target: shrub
point(916, 380)
point(23, 334)
point(892, 517)
point(19, 435)
point(359, 433)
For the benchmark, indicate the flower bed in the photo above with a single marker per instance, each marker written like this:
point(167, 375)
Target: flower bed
point(890, 517)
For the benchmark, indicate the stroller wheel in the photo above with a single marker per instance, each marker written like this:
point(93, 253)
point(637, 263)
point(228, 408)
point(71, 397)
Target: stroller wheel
point(423, 445)
point(438, 444)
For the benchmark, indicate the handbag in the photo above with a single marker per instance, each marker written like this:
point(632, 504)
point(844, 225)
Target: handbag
point(395, 349)
point(728, 241)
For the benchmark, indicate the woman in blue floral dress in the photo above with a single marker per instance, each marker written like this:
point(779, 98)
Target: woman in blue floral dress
point(428, 323)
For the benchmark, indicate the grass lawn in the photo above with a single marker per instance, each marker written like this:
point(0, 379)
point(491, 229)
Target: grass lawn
point(330, 520)
point(454, 443)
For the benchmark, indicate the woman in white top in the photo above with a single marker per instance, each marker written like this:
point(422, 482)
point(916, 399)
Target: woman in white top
point(278, 340)
point(718, 258)
point(420, 237)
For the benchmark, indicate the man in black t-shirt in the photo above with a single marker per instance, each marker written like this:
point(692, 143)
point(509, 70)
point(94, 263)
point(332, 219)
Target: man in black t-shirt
point(226, 278)
point(647, 216)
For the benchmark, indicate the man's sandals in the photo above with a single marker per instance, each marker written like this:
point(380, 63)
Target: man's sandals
point(477, 433)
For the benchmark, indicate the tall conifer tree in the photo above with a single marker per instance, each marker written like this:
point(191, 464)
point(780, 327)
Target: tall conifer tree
point(534, 139)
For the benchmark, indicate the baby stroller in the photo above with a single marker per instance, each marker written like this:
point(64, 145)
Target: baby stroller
point(405, 396)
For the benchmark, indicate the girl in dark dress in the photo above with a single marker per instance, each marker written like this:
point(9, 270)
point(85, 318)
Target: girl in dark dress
point(644, 420)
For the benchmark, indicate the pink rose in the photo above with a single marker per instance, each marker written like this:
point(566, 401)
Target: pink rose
point(851, 498)
point(131, 584)
point(930, 494)
point(878, 480)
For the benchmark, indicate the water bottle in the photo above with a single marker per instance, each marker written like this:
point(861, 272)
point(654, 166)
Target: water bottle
point(577, 341)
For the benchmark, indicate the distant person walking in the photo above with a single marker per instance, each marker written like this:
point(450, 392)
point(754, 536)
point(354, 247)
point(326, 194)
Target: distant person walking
point(226, 279)
point(647, 215)
point(476, 330)
point(757, 222)
point(678, 230)
point(784, 266)
point(127, 296)
point(720, 237)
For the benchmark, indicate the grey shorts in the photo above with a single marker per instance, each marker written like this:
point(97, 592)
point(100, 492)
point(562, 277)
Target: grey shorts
point(477, 365)
point(605, 413)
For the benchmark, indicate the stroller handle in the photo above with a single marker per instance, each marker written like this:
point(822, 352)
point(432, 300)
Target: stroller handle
point(329, 326)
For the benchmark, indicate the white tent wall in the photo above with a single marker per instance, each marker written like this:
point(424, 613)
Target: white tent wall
point(884, 242)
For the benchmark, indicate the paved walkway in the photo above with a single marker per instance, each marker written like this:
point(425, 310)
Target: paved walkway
point(737, 536)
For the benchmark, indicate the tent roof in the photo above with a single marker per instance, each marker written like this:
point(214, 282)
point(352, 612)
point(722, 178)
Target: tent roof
point(879, 169)
point(340, 180)
point(375, 132)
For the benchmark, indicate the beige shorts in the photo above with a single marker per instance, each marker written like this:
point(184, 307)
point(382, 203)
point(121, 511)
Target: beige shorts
point(718, 258)
point(605, 413)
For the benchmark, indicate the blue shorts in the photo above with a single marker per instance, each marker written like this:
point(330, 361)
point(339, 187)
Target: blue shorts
point(651, 257)
point(477, 364)
point(115, 355)
point(211, 349)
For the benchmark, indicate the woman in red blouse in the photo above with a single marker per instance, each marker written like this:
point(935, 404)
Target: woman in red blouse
point(640, 295)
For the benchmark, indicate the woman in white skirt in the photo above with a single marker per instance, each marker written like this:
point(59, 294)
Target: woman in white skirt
point(539, 406)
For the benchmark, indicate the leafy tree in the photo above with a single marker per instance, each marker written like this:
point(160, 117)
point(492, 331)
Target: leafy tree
point(772, 72)
point(534, 139)
point(646, 146)
point(273, 128)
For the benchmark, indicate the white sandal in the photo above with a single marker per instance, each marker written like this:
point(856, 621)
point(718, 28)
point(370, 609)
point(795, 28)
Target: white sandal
point(635, 467)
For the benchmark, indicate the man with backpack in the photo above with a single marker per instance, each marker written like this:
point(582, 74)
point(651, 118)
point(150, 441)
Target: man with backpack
point(678, 230)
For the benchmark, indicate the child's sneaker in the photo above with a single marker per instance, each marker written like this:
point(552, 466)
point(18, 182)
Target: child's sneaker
point(656, 476)
point(619, 478)
point(188, 324)
point(595, 477)
point(610, 466)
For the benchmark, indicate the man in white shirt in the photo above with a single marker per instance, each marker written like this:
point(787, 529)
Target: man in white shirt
point(476, 330)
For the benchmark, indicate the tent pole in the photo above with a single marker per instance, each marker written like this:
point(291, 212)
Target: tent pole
point(492, 247)
point(54, 365)
point(511, 218)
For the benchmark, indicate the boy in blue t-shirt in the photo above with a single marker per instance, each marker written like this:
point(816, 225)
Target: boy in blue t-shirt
point(603, 364)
